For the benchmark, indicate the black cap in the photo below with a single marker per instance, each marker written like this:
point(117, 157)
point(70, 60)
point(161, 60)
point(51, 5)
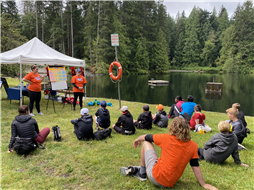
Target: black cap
point(146, 107)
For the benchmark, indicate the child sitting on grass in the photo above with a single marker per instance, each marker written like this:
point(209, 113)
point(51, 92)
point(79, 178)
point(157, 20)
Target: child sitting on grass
point(221, 146)
point(197, 118)
point(145, 119)
point(236, 125)
point(241, 115)
point(126, 121)
point(83, 127)
point(102, 116)
point(160, 119)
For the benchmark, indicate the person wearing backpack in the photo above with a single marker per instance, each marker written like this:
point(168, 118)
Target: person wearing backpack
point(102, 116)
point(24, 126)
point(83, 126)
point(126, 121)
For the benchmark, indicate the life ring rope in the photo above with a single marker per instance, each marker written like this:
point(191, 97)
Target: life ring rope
point(120, 70)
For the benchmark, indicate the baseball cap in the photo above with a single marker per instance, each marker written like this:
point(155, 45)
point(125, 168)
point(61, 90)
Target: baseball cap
point(146, 107)
point(78, 70)
point(84, 111)
point(124, 108)
point(160, 107)
point(103, 104)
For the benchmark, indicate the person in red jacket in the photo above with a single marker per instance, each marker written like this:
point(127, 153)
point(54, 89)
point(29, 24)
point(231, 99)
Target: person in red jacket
point(78, 83)
point(197, 118)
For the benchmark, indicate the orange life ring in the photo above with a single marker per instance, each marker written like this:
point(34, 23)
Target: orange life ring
point(119, 70)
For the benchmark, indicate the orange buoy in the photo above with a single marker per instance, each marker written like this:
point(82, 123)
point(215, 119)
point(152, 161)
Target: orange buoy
point(119, 69)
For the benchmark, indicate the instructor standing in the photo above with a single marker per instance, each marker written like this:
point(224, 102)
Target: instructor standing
point(78, 82)
point(34, 89)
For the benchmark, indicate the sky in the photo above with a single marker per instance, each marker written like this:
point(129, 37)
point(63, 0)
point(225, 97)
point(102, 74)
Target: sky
point(174, 6)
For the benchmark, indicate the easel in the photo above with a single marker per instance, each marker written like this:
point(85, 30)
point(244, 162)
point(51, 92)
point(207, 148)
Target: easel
point(66, 93)
point(52, 94)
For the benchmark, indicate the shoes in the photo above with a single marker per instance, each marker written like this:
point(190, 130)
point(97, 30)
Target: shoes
point(40, 113)
point(241, 147)
point(31, 114)
point(74, 109)
point(139, 176)
point(129, 170)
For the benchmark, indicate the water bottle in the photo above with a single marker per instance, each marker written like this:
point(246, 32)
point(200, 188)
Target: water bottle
point(155, 113)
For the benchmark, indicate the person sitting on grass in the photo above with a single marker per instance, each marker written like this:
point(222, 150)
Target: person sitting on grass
point(177, 150)
point(126, 121)
point(160, 119)
point(25, 126)
point(236, 125)
point(240, 114)
point(198, 117)
point(175, 111)
point(188, 107)
point(221, 146)
point(83, 127)
point(102, 116)
point(144, 120)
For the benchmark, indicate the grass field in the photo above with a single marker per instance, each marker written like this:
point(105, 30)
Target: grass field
point(74, 164)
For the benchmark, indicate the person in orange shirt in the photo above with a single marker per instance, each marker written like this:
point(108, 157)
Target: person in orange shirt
point(34, 89)
point(177, 149)
point(78, 82)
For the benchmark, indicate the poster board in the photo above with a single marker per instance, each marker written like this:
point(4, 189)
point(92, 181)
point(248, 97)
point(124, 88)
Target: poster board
point(58, 77)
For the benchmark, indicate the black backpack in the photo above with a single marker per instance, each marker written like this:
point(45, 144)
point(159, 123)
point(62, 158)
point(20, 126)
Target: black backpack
point(25, 146)
point(102, 134)
point(56, 133)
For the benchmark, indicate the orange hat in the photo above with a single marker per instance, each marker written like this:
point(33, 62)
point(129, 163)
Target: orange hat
point(160, 107)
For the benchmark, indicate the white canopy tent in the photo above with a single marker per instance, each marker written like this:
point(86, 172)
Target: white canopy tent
point(36, 52)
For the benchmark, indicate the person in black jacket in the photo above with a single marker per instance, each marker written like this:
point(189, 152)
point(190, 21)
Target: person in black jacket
point(145, 119)
point(126, 121)
point(160, 119)
point(102, 116)
point(240, 114)
point(83, 127)
point(25, 126)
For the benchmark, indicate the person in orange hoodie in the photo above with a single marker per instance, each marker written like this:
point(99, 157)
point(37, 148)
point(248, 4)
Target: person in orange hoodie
point(78, 82)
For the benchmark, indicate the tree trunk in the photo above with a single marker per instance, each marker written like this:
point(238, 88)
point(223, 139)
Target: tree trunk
point(91, 55)
point(98, 27)
point(68, 31)
point(42, 27)
point(63, 46)
point(72, 48)
point(37, 30)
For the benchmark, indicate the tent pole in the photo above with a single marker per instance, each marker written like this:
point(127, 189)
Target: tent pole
point(21, 83)
point(44, 77)
point(85, 77)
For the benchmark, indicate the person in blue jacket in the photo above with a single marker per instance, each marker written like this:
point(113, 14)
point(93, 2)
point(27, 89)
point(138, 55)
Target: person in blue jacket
point(188, 107)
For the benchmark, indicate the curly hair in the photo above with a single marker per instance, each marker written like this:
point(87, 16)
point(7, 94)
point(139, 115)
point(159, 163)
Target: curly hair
point(179, 127)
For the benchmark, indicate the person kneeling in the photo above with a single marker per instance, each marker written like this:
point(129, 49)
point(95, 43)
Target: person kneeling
point(83, 127)
point(126, 121)
point(159, 171)
point(144, 119)
point(221, 146)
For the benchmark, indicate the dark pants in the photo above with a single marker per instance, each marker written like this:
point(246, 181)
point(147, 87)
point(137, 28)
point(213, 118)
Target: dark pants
point(173, 112)
point(122, 131)
point(42, 135)
point(201, 153)
point(76, 95)
point(34, 96)
point(139, 126)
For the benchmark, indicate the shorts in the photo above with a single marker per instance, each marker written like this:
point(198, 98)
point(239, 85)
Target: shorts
point(150, 160)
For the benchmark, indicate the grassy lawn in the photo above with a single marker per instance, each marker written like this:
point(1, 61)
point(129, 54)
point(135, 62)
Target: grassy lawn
point(74, 164)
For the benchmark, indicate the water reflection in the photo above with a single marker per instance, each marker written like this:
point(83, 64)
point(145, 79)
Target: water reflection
point(236, 88)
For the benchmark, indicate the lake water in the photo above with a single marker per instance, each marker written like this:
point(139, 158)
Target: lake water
point(236, 88)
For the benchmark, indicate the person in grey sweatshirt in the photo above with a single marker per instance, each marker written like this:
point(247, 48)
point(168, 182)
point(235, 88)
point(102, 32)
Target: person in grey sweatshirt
point(221, 146)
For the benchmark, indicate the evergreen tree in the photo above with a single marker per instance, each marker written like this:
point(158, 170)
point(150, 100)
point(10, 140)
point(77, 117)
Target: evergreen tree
point(192, 48)
point(159, 61)
point(141, 59)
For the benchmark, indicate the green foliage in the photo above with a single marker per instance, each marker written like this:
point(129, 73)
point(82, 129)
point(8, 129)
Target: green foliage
point(142, 58)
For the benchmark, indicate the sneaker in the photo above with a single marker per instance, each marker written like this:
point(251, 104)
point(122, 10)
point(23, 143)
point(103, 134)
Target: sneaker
point(241, 147)
point(128, 170)
point(139, 176)
point(40, 113)
point(31, 114)
point(74, 109)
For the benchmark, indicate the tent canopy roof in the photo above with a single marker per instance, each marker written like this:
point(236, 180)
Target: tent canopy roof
point(36, 52)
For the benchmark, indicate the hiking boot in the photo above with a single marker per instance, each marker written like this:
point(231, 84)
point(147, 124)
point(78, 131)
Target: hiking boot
point(31, 114)
point(139, 176)
point(241, 147)
point(40, 113)
point(128, 170)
